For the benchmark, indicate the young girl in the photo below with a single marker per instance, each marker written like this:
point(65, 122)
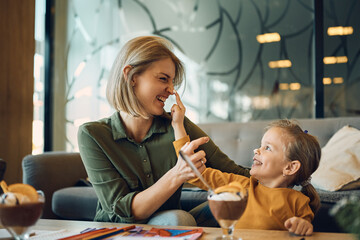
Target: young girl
point(287, 157)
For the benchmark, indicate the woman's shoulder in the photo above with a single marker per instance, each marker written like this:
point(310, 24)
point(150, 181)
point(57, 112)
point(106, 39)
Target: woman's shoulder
point(192, 128)
point(98, 126)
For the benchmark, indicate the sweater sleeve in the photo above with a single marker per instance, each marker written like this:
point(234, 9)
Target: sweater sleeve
point(179, 143)
point(303, 209)
point(216, 178)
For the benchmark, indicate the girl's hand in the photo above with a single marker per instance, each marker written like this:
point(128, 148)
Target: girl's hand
point(299, 226)
point(177, 112)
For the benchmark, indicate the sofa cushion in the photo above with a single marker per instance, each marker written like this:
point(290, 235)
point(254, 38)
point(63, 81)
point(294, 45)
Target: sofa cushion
point(75, 203)
point(192, 197)
point(340, 161)
point(333, 197)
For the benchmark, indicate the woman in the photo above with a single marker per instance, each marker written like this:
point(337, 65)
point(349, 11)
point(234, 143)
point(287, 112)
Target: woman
point(129, 156)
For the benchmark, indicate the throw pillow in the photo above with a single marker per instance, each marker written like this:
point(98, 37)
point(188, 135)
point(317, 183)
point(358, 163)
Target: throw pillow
point(340, 162)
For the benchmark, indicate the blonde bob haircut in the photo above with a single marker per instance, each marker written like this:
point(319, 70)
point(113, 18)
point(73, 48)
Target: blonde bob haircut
point(139, 53)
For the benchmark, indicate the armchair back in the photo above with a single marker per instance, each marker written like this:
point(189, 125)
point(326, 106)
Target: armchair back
point(51, 171)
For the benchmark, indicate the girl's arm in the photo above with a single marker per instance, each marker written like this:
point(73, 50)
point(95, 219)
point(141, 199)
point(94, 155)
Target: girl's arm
point(181, 137)
point(178, 114)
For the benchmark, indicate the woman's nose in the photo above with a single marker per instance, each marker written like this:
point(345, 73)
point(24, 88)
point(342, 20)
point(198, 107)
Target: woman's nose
point(170, 88)
point(256, 151)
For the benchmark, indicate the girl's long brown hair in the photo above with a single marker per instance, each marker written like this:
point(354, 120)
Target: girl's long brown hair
point(305, 148)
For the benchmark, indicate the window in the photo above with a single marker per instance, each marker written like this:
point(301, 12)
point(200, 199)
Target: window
point(245, 60)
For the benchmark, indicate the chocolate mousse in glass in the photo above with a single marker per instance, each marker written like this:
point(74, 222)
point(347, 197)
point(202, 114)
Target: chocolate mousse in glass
point(227, 208)
point(19, 217)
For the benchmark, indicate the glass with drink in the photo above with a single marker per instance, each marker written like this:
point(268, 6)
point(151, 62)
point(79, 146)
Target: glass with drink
point(227, 204)
point(20, 208)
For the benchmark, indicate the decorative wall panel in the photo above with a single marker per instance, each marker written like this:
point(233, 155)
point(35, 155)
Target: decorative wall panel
point(245, 59)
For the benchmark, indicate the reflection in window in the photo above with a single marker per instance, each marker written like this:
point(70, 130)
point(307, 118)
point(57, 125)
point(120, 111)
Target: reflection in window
point(230, 75)
point(245, 59)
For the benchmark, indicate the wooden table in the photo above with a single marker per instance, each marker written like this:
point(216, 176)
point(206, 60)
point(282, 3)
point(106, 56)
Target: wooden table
point(209, 233)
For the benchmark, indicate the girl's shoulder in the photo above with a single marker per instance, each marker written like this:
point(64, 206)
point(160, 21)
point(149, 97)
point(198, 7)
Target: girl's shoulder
point(289, 192)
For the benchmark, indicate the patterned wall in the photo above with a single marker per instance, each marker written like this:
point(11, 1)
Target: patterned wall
point(231, 76)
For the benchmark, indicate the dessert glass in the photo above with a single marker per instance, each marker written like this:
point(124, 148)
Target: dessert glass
point(227, 209)
point(18, 219)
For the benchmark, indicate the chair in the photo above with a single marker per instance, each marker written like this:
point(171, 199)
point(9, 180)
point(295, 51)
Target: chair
point(51, 171)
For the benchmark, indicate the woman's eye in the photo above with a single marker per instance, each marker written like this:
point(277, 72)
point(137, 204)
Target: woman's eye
point(267, 148)
point(163, 79)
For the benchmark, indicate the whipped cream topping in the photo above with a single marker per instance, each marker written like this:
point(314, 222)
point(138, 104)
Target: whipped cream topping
point(225, 196)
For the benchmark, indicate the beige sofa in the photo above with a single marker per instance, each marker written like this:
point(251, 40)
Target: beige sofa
point(59, 174)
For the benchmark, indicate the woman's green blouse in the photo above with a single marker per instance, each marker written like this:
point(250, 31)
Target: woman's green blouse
point(119, 168)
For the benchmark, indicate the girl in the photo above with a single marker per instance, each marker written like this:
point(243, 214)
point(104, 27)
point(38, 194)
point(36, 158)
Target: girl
point(287, 157)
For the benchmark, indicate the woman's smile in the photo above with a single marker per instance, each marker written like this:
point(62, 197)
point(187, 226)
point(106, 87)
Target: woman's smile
point(162, 99)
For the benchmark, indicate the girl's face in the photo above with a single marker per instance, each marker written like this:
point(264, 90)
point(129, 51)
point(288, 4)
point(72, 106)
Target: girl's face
point(270, 160)
point(155, 85)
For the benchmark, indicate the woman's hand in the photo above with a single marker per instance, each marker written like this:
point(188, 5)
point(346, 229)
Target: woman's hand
point(299, 226)
point(189, 149)
point(198, 159)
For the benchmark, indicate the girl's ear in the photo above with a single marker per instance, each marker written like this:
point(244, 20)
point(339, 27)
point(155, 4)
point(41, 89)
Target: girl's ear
point(291, 168)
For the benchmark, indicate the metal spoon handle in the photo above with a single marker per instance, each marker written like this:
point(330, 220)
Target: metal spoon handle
point(195, 170)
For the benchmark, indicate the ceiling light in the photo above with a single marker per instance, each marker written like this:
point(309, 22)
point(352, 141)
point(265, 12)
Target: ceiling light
point(284, 86)
point(333, 60)
point(341, 59)
point(268, 37)
point(335, 31)
point(338, 80)
point(280, 64)
point(295, 86)
point(326, 81)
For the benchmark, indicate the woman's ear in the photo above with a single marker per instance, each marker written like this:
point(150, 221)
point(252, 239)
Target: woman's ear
point(291, 168)
point(126, 71)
